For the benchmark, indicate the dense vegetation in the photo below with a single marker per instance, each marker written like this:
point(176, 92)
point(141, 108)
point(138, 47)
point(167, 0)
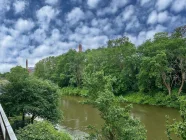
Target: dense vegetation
point(29, 97)
point(178, 127)
point(156, 66)
point(41, 131)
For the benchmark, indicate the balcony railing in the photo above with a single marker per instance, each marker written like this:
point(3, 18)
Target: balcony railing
point(6, 129)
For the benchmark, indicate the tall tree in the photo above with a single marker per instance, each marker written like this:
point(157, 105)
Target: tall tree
point(119, 125)
point(163, 62)
point(27, 95)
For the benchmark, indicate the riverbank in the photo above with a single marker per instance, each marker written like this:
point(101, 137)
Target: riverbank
point(72, 91)
point(156, 99)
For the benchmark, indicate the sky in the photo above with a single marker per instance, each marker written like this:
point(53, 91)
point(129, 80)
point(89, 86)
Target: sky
point(36, 29)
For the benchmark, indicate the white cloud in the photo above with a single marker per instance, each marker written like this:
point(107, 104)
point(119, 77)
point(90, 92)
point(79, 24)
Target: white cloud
point(39, 35)
point(91, 31)
point(7, 42)
point(146, 34)
point(152, 32)
point(51, 2)
point(178, 5)
point(93, 3)
point(45, 15)
point(55, 35)
point(128, 12)
point(152, 19)
point(100, 22)
point(119, 3)
point(163, 4)
point(4, 7)
point(114, 6)
point(75, 15)
point(19, 6)
point(137, 39)
point(89, 37)
point(133, 24)
point(94, 42)
point(52, 33)
point(163, 17)
point(160, 17)
point(24, 25)
point(143, 2)
point(42, 50)
point(5, 67)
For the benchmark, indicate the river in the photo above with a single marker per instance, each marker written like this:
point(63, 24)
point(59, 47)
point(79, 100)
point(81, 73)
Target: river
point(78, 117)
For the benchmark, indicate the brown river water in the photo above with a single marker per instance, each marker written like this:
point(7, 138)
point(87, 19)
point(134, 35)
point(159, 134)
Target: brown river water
point(78, 117)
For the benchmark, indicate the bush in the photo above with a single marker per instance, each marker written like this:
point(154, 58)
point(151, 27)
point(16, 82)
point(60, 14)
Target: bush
point(41, 131)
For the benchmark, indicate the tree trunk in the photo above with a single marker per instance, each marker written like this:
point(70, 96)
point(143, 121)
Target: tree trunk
point(32, 118)
point(167, 85)
point(23, 118)
point(182, 83)
point(111, 136)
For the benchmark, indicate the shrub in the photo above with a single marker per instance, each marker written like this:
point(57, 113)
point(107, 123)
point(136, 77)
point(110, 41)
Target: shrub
point(41, 131)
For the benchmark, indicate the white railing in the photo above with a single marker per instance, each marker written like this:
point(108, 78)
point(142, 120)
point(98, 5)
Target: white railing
point(6, 129)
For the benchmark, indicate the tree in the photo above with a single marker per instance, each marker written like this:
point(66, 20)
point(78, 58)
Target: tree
point(70, 68)
point(178, 127)
point(41, 100)
point(41, 131)
point(163, 63)
point(16, 80)
point(119, 125)
point(28, 95)
point(46, 69)
point(118, 60)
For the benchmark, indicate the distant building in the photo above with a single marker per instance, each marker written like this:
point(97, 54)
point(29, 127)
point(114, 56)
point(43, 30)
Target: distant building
point(30, 69)
point(80, 48)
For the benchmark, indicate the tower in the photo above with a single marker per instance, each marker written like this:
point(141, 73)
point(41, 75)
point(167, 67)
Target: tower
point(80, 48)
point(27, 64)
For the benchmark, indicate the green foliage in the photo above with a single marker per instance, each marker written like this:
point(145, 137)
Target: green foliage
point(28, 95)
point(41, 131)
point(119, 125)
point(65, 70)
point(74, 91)
point(158, 65)
point(178, 127)
point(46, 68)
point(163, 64)
point(17, 75)
point(159, 99)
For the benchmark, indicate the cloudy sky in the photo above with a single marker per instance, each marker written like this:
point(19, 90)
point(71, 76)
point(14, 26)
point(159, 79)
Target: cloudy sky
point(35, 29)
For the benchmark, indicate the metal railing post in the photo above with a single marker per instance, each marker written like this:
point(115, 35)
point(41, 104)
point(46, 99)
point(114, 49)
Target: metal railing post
point(6, 129)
